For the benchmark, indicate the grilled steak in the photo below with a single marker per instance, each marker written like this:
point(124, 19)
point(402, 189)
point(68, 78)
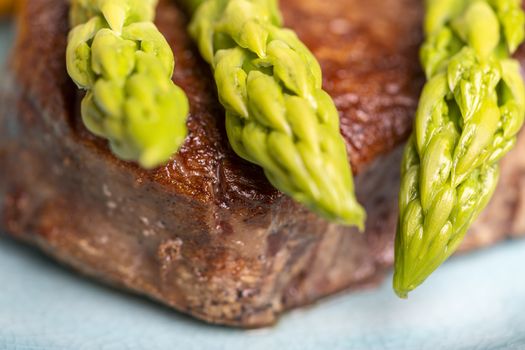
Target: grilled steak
point(207, 234)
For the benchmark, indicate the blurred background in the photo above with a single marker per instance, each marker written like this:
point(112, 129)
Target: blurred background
point(473, 302)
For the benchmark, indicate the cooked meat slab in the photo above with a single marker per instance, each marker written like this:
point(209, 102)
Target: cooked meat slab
point(207, 234)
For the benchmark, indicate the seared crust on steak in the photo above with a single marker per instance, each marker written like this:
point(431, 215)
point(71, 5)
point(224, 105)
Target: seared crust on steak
point(206, 233)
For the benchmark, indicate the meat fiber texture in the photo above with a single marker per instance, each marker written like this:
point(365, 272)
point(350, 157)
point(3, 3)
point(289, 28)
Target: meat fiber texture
point(207, 234)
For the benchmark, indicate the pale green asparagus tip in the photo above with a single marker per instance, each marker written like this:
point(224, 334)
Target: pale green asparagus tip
point(469, 113)
point(277, 115)
point(124, 63)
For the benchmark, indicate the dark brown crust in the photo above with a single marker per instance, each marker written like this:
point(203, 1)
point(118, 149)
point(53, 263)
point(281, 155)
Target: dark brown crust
point(207, 234)
point(368, 52)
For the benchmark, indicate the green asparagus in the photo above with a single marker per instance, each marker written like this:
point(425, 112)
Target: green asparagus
point(277, 115)
point(117, 54)
point(470, 111)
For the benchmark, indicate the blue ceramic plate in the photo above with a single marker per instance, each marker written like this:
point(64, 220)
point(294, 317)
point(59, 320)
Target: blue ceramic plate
point(472, 302)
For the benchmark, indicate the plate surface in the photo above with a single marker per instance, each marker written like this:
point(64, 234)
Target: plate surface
point(472, 302)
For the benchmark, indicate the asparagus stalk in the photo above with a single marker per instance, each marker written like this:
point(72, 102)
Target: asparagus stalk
point(124, 63)
point(277, 115)
point(470, 111)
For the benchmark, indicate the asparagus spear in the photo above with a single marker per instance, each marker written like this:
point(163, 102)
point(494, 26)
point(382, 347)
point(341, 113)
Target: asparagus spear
point(117, 54)
point(470, 111)
point(277, 115)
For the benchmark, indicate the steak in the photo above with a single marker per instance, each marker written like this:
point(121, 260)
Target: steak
point(207, 234)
